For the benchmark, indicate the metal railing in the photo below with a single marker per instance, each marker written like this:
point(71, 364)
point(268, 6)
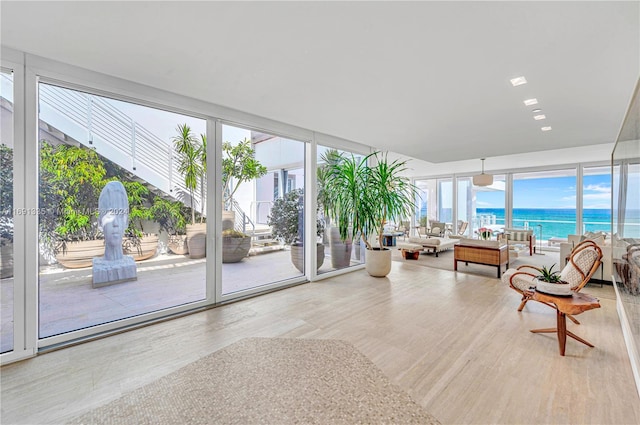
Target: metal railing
point(242, 223)
point(108, 127)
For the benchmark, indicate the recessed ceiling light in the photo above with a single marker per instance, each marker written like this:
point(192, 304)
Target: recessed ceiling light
point(530, 102)
point(535, 111)
point(518, 81)
point(545, 128)
point(539, 117)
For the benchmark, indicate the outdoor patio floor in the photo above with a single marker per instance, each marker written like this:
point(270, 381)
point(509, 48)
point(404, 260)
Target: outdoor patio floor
point(69, 302)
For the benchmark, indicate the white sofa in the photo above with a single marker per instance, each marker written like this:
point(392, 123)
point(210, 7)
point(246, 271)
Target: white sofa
point(604, 241)
point(434, 244)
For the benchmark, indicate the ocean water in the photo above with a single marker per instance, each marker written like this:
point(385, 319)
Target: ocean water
point(562, 222)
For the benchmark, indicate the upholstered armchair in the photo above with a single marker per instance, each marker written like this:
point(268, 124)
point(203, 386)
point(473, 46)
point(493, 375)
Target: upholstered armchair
point(583, 262)
point(521, 237)
point(437, 229)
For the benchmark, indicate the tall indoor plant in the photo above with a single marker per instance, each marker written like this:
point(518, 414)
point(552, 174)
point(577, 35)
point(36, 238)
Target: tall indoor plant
point(364, 197)
point(339, 248)
point(287, 222)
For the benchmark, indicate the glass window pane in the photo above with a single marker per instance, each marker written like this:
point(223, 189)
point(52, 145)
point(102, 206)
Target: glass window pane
point(627, 187)
point(596, 199)
point(490, 205)
point(546, 202)
point(263, 217)
point(6, 209)
point(338, 254)
point(120, 186)
point(480, 206)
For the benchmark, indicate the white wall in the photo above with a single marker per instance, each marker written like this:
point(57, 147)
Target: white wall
point(585, 154)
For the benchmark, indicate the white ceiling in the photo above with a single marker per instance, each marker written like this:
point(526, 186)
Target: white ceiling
point(426, 79)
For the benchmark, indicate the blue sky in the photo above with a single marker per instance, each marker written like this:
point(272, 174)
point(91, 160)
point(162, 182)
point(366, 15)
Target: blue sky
point(552, 192)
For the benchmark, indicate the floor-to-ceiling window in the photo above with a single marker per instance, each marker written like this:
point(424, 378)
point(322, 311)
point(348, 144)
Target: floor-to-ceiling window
point(436, 202)
point(6, 212)
point(626, 212)
point(445, 201)
point(263, 218)
point(122, 218)
point(338, 254)
point(596, 199)
point(481, 206)
point(546, 202)
point(112, 168)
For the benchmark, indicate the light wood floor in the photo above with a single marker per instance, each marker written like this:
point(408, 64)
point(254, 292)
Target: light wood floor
point(454, 342)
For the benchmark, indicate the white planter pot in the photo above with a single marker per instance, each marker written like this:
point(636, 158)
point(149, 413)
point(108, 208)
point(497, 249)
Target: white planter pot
point(378, 262)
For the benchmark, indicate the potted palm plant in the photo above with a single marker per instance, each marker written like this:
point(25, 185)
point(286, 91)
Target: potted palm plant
point(192, 165)
point(339, 248)
point(287, 222)
point(364, 197)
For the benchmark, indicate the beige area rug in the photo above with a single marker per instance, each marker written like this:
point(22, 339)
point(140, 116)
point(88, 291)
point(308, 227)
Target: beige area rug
point(444, 261)
point(269, 381)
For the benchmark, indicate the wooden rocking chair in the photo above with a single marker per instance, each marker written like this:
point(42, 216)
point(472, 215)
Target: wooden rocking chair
point(583, 262)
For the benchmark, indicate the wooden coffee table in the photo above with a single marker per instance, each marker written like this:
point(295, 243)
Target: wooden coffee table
point(575, 304)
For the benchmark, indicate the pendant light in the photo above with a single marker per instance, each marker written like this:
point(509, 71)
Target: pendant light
point(482, 179)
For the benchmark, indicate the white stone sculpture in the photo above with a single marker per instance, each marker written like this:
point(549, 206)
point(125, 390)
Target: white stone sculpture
point(114, 267)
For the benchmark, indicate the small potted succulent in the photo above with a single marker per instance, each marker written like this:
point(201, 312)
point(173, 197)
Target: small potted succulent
point(550, 282)
point(549, 275)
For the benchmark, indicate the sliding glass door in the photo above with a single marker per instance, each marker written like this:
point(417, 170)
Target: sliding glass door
point(6, 213)
point(263, 212)
point(338, 254)
point(122, 220)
